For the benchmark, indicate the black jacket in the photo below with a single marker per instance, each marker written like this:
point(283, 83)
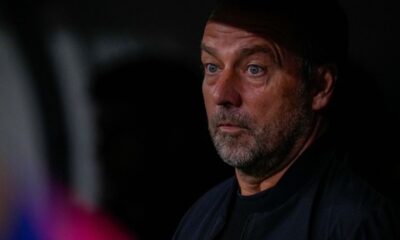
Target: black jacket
point(318, 198)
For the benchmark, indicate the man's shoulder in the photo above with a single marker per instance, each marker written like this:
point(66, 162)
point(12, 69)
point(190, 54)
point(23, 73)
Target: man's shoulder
point(355, 205)
point(215, 196)
point(206, 210)
point(364, 211)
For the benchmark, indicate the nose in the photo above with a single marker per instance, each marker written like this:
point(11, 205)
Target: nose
point(226, 90)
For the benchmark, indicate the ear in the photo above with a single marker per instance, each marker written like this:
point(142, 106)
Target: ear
point(325, 80)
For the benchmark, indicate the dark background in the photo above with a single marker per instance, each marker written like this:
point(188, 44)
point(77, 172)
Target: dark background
point(110, 93)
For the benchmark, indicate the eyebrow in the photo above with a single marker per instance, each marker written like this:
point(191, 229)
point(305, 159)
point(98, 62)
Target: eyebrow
point(210, 50)
point(245, 52)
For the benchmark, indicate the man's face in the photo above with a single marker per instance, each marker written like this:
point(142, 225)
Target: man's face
point(257, 105)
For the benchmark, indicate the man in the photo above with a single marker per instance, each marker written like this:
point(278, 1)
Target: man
point(270, 70)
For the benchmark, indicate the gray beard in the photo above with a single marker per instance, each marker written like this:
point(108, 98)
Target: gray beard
point(260, 151)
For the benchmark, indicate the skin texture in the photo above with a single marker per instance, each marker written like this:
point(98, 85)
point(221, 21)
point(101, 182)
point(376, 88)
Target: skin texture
point(261, 113)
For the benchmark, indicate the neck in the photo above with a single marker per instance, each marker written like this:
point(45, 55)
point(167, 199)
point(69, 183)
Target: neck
point(250, 185)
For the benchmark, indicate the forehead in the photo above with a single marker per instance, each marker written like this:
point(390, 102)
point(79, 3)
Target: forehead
point(234, 43)
point(221, 39)
point(267, 23)
point(224, 35)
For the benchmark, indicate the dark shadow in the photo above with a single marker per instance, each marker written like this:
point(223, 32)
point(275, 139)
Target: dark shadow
point(155, 153)
point(368, 129)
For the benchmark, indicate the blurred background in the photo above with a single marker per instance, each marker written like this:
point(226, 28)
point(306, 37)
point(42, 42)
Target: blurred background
point(101, 111)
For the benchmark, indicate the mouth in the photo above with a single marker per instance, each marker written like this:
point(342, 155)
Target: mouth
point(231, 128)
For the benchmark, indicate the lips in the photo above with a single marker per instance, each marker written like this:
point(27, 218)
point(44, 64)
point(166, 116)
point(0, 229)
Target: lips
point(225, 121)
point(230, 127)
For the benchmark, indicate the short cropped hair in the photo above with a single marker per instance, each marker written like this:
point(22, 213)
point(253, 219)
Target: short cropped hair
point(315, 30)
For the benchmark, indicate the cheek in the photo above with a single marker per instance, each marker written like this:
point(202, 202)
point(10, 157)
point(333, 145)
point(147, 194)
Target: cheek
point(259, 101)
point(259, 110)
point(265, 106)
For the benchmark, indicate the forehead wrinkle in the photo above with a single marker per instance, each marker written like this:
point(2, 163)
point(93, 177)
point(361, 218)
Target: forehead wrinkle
point(249, 51)
point(210, 50)
point(261, 43)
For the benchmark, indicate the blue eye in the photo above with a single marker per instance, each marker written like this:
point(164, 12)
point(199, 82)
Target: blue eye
point(255, 70)
point(211, 68)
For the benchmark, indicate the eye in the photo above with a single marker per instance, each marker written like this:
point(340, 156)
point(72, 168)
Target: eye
point(255, 70)
point(210, 68)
